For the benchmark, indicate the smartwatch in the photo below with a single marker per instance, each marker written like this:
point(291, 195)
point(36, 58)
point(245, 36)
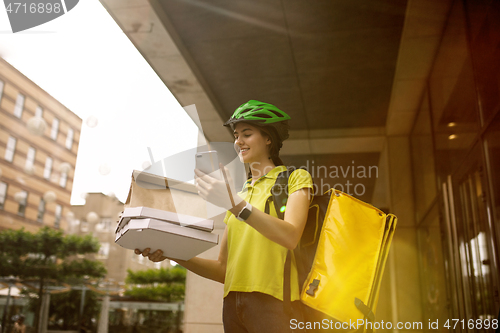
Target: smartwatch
point(245, 212)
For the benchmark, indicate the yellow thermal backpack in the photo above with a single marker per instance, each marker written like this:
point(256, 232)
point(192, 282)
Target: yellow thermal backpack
point(340, 257)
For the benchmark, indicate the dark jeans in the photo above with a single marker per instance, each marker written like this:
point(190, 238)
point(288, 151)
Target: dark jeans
point(257, 313)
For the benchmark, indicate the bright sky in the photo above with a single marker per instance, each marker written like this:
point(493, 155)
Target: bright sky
point(85, 61)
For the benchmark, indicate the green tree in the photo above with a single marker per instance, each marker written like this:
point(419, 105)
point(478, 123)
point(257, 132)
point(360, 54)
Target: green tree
point(158, 285)
point(166, 285)
point(47, 255)
point(65, 309)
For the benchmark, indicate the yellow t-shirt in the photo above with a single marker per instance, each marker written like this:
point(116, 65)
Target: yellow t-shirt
point(255, 263)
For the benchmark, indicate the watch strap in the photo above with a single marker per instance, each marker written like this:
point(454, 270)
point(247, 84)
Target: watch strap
point(245, 212)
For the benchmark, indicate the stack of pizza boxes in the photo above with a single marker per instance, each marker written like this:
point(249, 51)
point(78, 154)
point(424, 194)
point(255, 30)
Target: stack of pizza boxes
point(161, 213)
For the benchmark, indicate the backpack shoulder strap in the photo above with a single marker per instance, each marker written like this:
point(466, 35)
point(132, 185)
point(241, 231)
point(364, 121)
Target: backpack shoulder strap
point(279, 193)
point(279, 196)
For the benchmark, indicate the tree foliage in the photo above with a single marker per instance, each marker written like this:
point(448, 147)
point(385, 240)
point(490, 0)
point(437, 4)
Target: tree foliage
point(42, 255)
point(167, 285)
point(47, 255)
point(162, 275)
point(65, 308)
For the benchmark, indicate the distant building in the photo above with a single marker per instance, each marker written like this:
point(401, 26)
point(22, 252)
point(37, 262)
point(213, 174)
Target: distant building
point(33, 164)
point(115, 258)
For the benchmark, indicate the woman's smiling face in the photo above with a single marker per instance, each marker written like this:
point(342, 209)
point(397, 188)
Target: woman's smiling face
point(250, 144)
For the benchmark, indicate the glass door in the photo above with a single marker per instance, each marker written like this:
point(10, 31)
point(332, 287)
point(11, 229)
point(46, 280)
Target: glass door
point(471, 244)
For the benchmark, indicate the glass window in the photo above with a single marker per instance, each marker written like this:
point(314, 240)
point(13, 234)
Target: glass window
point(55, 129)
point(452, 93)
point(58, 214)
point(69, 139)
point(41, 210)
point(104, 225)
point(422, 152)
point(1, 89)
point(103, 251)
point(11, 148)
point(493, 157)
point(63, 180)
point(474, 237)
point(48, 168)
point(18, 109)
point(22, 204)
point(434, 286)
point(84, 226)
point(3, 194)
point(30, 157)
point(483, 17)
point(39, 112)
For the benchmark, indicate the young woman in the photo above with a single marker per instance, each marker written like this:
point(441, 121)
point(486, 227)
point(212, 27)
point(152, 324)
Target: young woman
point(254, 245)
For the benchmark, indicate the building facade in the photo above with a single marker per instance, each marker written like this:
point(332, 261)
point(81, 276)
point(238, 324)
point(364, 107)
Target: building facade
point(37, 161)
point(455, 145)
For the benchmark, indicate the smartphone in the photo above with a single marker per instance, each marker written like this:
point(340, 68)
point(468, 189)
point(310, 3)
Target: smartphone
point(208, 163)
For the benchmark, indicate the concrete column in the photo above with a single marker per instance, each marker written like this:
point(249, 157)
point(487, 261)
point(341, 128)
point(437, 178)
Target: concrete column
point(203, 301)
point(402, 269)
point(44, 313)
point(103, 318)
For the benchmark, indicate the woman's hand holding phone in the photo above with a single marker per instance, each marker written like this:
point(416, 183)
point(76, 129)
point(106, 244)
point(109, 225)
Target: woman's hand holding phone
point(218, 192)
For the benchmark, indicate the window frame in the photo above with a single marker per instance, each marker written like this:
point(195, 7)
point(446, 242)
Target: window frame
point(42, 205)
point(39, 111)
point(84, 226)
point(104, 224)
point(104, 250)
point(10, 151)
point(30, 160)
point(58, 215)
point(54, 131)
point(63, 180)
point(19, 106)
point(2, 86)
point(47, 171)
point(21, 209)
point(69, 139)
point(3, 196)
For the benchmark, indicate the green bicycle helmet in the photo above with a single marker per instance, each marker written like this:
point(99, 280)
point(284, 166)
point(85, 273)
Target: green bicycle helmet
point(255, 111)
point(262, 114)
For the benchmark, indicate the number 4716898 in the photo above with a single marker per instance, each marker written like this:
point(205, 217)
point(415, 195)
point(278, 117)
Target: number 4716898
point(33, 8)
point(471, 323)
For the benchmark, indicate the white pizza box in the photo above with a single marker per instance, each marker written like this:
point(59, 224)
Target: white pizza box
point(175, 241)
point(158, 214)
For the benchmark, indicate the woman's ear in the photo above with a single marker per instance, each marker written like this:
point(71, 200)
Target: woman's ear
point(269, 145)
